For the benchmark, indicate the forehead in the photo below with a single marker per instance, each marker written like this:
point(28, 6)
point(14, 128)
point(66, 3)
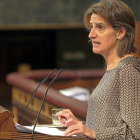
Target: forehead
point(97, 19)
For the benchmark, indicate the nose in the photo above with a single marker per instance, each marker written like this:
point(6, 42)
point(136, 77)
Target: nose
point(92, 33)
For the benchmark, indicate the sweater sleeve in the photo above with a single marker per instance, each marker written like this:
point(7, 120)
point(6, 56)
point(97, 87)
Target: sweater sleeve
point(129, 94)
point(130, 100)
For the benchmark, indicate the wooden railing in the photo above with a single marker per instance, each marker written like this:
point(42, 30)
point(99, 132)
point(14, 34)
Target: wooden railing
point(24, 85)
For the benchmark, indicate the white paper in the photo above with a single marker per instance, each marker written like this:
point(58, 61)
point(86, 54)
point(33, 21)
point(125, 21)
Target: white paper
point(76, 92)
point(39, 129)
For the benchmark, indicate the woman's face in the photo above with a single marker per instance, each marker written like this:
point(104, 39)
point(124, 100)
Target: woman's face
point(103, 36)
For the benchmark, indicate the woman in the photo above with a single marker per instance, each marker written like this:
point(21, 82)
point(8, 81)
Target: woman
point(114, 106)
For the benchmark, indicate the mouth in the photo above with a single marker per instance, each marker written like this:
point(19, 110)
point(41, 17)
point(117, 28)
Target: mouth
point(95, 43)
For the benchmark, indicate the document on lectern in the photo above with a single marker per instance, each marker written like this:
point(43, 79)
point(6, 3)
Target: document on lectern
point(39, 129)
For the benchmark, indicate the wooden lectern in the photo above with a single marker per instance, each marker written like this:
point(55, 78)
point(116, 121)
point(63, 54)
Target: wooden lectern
point(8, 130)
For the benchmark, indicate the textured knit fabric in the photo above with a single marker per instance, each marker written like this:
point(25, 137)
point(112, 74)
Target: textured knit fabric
point(114, 105)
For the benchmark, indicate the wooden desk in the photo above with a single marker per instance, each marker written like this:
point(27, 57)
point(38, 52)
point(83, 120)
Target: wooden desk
point(8, 130)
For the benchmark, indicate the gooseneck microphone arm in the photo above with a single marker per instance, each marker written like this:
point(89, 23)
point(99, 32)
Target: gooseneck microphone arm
point(44, 100)
point(35, 92)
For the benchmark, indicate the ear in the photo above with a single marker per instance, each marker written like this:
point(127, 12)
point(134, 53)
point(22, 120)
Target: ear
point(121, 33)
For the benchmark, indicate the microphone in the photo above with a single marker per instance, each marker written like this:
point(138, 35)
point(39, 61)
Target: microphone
point(34, 94)
point(44, 100)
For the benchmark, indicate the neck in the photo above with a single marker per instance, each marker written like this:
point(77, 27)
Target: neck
point(113, 60)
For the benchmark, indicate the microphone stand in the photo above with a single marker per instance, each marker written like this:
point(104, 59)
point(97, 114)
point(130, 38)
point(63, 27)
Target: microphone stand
point(35, 92)
point(44, 100)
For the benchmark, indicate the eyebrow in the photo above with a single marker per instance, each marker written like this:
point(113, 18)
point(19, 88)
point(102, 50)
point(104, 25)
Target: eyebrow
point(100, 23)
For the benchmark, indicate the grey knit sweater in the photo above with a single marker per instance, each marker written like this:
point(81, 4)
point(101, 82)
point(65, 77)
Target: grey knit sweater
point(114, 106)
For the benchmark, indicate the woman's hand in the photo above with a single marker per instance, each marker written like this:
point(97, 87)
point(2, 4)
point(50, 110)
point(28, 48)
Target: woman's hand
point(79, 128)
point(75, 126)
point(67, 118)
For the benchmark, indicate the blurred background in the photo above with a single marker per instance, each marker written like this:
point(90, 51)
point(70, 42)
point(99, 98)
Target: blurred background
point(46, 34)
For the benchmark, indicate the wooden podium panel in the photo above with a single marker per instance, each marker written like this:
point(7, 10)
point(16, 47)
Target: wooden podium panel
point(8, 130)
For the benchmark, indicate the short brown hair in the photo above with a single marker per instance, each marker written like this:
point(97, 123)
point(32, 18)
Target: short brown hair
point(119, 15)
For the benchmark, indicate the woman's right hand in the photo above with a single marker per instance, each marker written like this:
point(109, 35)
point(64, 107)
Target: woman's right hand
point(67, 118)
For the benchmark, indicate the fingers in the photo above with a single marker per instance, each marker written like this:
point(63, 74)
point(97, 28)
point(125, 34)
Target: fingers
point(67, 118)
point(66, 113)
point(80, 128)
point(64, 116)
point(75, 132)
point(70, 122)
point(62, 121)
point(67, 123)
point(72, 130)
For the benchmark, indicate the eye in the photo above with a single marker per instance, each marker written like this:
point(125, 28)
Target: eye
point(101, 28)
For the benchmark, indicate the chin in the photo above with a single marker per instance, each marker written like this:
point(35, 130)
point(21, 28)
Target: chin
point(96, 51)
